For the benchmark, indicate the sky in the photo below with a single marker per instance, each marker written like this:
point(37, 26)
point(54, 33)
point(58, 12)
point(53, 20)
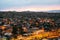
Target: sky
point(31, 5)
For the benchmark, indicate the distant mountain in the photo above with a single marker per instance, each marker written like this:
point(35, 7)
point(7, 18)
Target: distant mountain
point(50, 11)
point(54, 11)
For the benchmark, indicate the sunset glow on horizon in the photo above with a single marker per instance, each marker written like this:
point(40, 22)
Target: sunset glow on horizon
point(33, 8)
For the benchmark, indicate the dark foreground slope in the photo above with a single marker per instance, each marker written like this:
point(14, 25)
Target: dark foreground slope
point(30, 25)
point(28, 14)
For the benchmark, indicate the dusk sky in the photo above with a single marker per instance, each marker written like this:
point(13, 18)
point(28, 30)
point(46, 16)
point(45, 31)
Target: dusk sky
point(31, 5)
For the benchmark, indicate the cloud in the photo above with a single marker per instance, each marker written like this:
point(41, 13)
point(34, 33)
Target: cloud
point(7, 4)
